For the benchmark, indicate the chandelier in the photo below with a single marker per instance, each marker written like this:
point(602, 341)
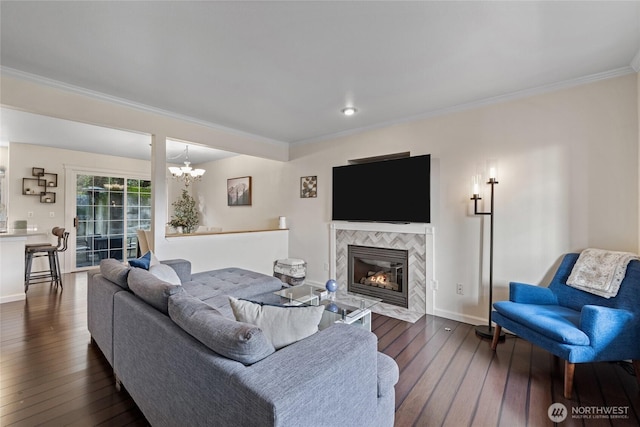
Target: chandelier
point(186, 173)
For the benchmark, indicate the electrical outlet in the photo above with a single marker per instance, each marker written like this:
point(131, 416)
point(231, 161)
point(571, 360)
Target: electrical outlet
point(29, 214)
point(52, 214)
point(459, 289)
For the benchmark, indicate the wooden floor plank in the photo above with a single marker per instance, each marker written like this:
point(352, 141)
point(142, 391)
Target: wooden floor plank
point(439, 404)
point(489, 405)
point(540, 385)
point(464, 402)
point(515, 400)
point(428, 372)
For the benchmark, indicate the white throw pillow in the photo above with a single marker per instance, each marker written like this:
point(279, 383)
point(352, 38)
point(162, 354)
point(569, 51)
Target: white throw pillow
point(282, 325)
point(165, 273)
point(154, 260)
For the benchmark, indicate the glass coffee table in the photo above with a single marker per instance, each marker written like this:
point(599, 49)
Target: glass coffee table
point(352, 309)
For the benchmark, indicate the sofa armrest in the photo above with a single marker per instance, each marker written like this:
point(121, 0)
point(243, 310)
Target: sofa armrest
point(100, 292)
point(531, 294)
point(604, 325)
point(388, 375)
point(182, 268)
point(334, 371)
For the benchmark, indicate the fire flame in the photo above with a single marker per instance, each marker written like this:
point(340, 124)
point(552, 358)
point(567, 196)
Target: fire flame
point(379, 278)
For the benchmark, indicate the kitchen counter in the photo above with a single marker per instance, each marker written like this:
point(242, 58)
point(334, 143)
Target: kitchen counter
point(22, 233)
point(12, 263)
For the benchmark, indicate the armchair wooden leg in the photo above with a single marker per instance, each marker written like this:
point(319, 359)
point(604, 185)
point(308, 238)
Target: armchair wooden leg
point(496, 337)
point(569, 369)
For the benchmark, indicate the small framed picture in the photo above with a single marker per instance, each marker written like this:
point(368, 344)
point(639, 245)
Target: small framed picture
point(308, 187)
point(239, 191)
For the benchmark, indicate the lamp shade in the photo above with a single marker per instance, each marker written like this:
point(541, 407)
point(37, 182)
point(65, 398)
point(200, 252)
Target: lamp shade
point(186, 173)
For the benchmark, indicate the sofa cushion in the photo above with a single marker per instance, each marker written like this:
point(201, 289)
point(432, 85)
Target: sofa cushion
point(282, 325)
point(553, 321)
point(165, 273)
point(236, 282)
point(115, 271)
point(150, 289)
point(239, 341)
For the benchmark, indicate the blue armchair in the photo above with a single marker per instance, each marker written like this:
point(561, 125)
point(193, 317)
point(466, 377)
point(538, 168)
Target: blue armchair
point(576, 326)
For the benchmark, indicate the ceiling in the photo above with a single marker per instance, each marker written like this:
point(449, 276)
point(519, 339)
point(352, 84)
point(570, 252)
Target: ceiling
point(28, 128)
point(283, 70)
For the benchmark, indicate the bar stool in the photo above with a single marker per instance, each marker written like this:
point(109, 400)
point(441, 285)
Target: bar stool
point(37, 250)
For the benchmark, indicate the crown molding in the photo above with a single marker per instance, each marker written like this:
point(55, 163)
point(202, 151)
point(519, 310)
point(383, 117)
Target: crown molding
point(55, 84)
point(634, 67)
point(482, 102)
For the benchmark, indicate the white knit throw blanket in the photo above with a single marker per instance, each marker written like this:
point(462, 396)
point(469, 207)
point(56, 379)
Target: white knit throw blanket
point(600, 272)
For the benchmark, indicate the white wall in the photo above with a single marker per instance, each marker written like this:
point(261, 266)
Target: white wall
point(251, 251)
point(268, 178)
point(568, 180)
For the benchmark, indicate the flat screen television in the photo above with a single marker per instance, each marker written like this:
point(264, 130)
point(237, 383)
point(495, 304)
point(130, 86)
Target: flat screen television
point(395, 190)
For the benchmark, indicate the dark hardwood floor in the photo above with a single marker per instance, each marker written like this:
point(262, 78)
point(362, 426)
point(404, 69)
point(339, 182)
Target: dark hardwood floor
point(51, 375)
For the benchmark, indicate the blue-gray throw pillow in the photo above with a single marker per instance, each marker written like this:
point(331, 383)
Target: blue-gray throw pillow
point(238, 341)
point(282, 325)
point(150, 289)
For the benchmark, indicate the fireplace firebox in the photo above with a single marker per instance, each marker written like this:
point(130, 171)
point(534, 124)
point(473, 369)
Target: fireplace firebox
point(379, 272)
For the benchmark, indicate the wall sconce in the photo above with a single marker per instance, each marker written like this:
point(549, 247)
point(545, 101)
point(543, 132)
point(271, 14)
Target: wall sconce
point(486, 331)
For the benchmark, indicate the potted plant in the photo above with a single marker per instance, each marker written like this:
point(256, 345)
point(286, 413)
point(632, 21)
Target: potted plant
point(185, 214)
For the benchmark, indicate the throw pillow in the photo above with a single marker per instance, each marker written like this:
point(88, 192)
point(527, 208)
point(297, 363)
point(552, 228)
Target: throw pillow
point(238, 341)
point(154, 260)
point(115, 271)
point(150, 289)
point(145, 261)
point(282, 325)
point(165, 273)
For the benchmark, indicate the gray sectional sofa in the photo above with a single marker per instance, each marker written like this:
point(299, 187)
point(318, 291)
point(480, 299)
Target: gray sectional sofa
point(333, 377)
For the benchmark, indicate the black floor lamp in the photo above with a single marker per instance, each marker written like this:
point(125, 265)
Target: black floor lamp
point(486, 331)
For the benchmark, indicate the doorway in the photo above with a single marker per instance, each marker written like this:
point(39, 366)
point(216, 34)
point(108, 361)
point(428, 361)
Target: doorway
point(109, 209)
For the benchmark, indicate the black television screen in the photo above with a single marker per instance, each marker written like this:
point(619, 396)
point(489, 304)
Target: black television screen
point(395, 190)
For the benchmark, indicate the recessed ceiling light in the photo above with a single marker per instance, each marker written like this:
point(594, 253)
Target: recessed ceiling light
point(349, 111)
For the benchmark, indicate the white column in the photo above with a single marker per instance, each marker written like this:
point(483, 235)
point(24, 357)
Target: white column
point(158, 190)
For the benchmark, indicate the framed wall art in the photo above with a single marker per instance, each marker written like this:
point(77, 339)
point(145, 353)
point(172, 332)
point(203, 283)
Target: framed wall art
point(308, 187)
point(239, 191)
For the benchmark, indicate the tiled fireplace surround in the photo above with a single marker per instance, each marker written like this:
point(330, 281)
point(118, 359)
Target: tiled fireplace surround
point(414, 237)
